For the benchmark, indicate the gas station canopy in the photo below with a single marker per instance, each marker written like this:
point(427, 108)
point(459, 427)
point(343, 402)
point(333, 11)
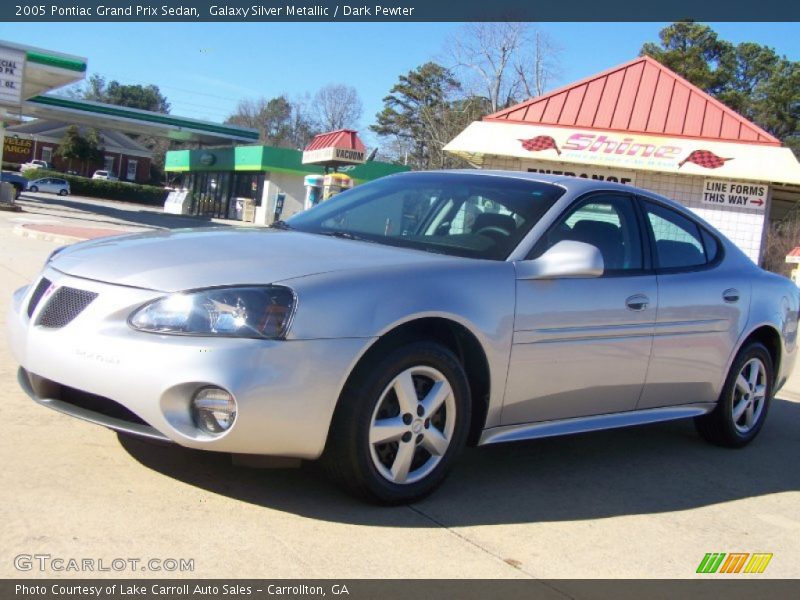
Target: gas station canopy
point(131, 120)
point(42, 70)
point(27, 73)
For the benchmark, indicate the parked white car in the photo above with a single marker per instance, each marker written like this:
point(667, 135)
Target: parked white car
point(52, 185)
point(35, 164)
point(108, 176)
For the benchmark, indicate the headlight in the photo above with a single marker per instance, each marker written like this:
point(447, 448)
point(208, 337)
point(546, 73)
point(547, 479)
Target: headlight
point(248, 312)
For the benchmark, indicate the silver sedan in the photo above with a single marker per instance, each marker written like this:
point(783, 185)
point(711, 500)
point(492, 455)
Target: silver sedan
point(388, 327)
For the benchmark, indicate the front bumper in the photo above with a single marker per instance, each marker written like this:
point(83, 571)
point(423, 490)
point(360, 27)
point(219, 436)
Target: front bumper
point(286, 391)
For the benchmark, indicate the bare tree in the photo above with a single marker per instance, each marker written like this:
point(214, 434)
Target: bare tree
point(503, 62)
point(337, 106)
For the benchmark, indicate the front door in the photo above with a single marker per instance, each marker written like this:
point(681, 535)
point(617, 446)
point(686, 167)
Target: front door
point(582, 346)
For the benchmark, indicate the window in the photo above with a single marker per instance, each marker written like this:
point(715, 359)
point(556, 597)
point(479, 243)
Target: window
point(131, 174)
point(678, 240)
point(470, 215)
point(605, 221)
point(108, 164)
point(47, 154)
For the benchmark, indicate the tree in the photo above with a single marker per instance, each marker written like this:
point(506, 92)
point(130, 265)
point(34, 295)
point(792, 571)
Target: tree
point(71, 146)
point(143, 97)
point(414, 111)
point(751, 79)
point(694, 52)
point(86, 149)
point(337, 106)
point(279, 121)
point(503, 62)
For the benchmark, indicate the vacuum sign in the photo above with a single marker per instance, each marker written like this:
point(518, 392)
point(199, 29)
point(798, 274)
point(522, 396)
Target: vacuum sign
point(735, 194)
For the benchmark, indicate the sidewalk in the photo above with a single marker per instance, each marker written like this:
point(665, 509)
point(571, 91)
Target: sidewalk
point(66, 220)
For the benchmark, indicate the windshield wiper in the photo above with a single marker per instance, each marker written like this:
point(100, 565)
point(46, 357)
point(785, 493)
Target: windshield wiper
point(346, 235)
point(281, 225)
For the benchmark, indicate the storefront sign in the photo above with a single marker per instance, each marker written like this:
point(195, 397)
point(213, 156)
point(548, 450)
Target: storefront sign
point(12, 69)
point(597, 149)
point(735, 194)
point(345, 155)
point(17, 146)
point(627, 178)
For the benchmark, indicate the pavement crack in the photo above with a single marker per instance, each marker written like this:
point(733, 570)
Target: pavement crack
point(483, 549)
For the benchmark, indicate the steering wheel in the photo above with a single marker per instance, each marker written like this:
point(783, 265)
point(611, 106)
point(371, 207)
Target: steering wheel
point(493, 229)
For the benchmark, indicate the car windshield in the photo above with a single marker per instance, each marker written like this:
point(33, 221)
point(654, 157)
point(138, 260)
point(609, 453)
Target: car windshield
point(469, 215)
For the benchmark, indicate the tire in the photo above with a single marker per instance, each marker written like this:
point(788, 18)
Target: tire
point(33, 189)
point(419, 449)
point(62, 192)
point(749, 384)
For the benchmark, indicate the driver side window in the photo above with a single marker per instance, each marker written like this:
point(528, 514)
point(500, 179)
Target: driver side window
point(607, 222)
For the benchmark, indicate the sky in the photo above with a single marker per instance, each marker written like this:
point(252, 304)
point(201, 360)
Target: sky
point(204, 69)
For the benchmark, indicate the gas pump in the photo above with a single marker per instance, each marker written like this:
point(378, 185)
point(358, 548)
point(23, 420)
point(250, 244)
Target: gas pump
point(335, 183)
point(313, 184)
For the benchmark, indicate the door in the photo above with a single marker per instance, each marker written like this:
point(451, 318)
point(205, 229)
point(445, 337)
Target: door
point(581, 346)
point(702, 310)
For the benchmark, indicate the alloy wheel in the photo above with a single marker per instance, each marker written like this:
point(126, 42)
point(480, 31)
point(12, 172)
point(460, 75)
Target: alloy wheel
point(749, 395)
point(412, 425)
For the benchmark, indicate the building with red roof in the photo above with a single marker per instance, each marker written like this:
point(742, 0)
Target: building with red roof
point(642, 124)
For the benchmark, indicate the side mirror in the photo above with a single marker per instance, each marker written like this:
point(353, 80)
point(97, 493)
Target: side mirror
point(565, 260)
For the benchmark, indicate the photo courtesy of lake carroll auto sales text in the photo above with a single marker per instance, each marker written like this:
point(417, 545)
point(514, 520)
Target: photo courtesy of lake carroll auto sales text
point(440, 300)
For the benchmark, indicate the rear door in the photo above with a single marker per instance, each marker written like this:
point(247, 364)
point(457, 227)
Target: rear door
point(581, 346)
point(702, 309)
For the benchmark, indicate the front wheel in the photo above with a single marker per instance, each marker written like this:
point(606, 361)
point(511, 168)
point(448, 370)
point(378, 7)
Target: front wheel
point(401, 423)
point(744, 401)
point(33, 189)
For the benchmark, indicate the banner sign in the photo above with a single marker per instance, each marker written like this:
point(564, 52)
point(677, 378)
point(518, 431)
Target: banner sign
point(621, 150)
point(12, 70)
point(735, 194)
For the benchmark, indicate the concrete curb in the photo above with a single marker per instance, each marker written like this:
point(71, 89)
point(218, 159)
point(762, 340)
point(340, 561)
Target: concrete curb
point(44, 236)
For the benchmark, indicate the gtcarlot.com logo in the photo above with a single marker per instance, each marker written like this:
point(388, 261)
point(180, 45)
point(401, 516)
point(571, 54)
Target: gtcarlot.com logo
point(58, 564)
point(734, 562)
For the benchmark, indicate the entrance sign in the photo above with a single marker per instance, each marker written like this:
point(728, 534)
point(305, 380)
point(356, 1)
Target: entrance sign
point(575, 170)
point(735, 194)
point(12, 72)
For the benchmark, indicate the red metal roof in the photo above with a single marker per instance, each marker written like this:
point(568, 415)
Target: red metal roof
point(640, 96)
point(343, 138)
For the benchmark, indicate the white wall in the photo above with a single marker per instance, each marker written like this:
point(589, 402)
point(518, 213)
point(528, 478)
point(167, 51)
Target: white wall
point(274, 184)
point(743, 226)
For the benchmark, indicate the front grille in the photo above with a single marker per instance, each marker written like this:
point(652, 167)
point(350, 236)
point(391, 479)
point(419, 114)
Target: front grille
point(64, 305)
point(41, 288)
point(98, 404)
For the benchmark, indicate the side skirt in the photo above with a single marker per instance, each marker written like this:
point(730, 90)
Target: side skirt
point(543, 429)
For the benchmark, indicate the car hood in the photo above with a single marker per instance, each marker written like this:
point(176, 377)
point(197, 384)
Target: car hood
point(195, 258)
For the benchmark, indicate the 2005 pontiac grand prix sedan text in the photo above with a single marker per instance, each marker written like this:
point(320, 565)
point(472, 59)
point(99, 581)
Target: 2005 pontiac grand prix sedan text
point(393, 324)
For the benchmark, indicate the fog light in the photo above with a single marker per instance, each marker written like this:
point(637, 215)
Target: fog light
point(213, 410)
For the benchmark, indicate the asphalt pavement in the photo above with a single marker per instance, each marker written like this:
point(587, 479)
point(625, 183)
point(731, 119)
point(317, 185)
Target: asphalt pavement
point(645, 502)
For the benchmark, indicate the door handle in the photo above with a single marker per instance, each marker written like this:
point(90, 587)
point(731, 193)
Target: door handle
point(730, 295)
point(637, 302)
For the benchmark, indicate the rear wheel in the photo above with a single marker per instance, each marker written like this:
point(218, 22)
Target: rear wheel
point(62, 192)
point(744, 402)
point(400, 425)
